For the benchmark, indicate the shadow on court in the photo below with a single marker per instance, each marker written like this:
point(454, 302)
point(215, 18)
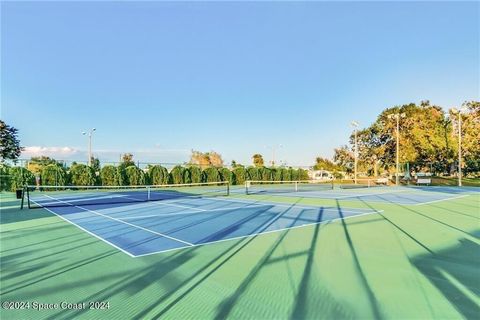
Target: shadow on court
point(458, 282)
point(177, 274)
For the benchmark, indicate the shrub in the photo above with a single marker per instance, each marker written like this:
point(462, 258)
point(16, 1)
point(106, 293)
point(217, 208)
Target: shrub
point(239, 174)
point(302, 174)
point(158, 175)
point(16, 178)
point(291, 175)
point(135, 176)
point(264, 174)
point(252, 173)
point(4, 178)
point(53, 175)
point(211, 175)
point(122, 179)
point(281, 174)
point(226, 175)
point(82, 175)
point(108, 175)
point(177, 175)
point(195, 174)
point(186, 176)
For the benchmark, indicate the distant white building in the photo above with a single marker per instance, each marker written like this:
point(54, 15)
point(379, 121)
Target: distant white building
point(320, 175)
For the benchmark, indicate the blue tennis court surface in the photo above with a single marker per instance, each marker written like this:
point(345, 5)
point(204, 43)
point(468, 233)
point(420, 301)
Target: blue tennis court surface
point(145, 228)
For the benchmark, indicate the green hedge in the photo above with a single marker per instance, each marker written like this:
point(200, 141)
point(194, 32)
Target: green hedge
point(211, 175)
point(135, 176)
point(14, 178)
point(292, 174)
point(281, 174)
point(302, 174)
point(226, 175)
point(195, 174)
point(158, 175)
point(252, 173)
point(4, 178)
point(177, 175)
point(187, 176)
point(264, 174)
point(108, 175)
point(240, 175)
point(53, 175)
point(82, 175)
point(122, 179)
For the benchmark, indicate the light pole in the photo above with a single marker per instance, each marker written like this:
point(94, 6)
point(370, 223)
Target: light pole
point(273, 152)
point(89, 145)
point(459, 113)
point(397, 117)
point(355, 125)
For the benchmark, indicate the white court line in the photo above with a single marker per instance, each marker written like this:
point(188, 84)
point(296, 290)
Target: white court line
point(370, 194)
point(83, 229)
point(258, 234)
point(279, 204)
point(171, 205)
point(127, 223)
point(235, 208)
point(211, 242)
point(428, 202)
point(190, 213)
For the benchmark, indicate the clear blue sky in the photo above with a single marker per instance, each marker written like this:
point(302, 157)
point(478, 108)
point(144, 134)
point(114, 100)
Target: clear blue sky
point(158, 79)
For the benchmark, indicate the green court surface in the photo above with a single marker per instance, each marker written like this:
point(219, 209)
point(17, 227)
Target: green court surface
point(404, 261)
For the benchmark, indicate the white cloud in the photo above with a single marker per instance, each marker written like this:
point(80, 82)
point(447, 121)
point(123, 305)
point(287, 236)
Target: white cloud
point(78, 154)
point(55, 152)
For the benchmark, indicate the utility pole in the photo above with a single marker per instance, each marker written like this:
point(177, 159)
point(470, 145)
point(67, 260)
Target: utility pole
point(89, 145)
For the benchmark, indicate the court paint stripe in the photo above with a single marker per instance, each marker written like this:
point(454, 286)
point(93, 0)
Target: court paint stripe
point(332, 209)
point(258, 234)
point(279, 204)
point(85, 230)
point(421, 203)
point(191, 213)
point(370, 194)
point(171, 205)
point(127, 223)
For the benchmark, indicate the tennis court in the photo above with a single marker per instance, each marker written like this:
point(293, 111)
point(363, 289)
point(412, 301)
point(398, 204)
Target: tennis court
point(145, 220)
point(405, 195)
point(171, 251)
point(175, 221)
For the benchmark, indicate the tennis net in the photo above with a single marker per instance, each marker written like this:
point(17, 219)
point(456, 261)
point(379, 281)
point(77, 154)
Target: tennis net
point(65, 196)
point(256, 187)
point(358, 183)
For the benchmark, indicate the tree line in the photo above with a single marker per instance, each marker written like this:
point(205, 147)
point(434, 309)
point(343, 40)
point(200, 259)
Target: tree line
point(428, 138)
point(45, 171)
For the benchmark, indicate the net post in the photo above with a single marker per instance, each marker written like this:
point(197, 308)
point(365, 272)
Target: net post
point(228, 188)
point(28, 197)
point(148, 193)
point(296, 186)
point(23, 197)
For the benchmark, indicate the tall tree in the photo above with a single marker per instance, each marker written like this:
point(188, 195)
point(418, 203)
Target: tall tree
point(127, 159)
point(344, 158)
point(206, 159)
point(324, 164)
point(10, 148)
point(258, 160)
point(95, 164)
point(36, 164)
